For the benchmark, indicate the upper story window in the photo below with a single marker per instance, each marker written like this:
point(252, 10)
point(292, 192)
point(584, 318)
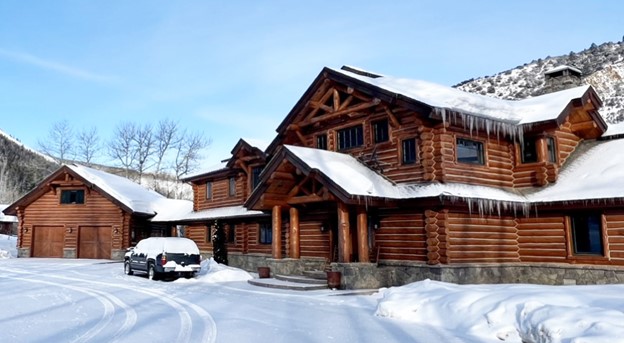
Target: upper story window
point(529, 150)
point(551, 149)
point(409, 151)
point(469, 151)
point(321, 142)
point(232, 187)
point(587, 234)
point(72, 196)
point(265, 234)
point(255, 177)
point(208, 190)
point(380, 131)
point(350, 137)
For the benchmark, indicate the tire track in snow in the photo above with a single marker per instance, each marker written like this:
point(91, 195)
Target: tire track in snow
point(209, 326)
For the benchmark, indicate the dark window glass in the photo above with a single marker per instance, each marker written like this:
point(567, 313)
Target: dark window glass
point(231, 234)
point(208, 190)
point(321, 142)
point(350, 137)
point(74, 196)
point(552, 149)
point(469, 151)
point(209, 233)
point(232, 188)
point(266, 233)
point(380, 131)
point(255, 176)
point(409, 151)
point(529, 151)
point(587, 234)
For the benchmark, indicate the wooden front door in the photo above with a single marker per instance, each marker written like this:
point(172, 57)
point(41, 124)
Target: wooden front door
point(95, 242)
point(48, 241)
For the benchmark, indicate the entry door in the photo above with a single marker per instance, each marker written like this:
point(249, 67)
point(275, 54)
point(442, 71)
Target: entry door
point(95, 242)
point(48, 241)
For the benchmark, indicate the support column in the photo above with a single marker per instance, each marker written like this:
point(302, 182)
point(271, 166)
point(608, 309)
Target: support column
point(362, 231)
point(295, 250)
point(344, 234)
point(277, 232)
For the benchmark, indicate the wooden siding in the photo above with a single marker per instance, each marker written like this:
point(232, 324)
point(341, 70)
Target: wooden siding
point(314, 243)
point(220, 194)
point(615, 236)
point(474, 239)
point(401, 237)
point(542, 239)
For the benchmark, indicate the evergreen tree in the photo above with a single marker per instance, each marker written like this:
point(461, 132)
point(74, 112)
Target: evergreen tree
point(219, 247)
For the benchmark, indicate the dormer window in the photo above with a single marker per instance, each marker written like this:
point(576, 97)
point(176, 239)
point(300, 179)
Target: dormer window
point(380, 131)
point(551, 149)
point(529, 150)
point(469, 151)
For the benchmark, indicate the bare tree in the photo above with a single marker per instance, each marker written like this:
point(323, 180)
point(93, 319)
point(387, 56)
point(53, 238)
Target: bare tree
point(188, 153)
point(121, 146)
point(59, 142)
point(143, 149)
point(87, 145)
point(166, 138)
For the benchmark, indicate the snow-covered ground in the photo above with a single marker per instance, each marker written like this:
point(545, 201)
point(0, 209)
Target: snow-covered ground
point(63, 300)
point(8, 246)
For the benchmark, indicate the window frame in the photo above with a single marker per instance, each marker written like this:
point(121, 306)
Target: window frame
point(262, 239)
point(73, 195)
point(481, 157)
point(232, 186)
point(354, 142)
point(404, 161)
point(321, 141)
point(524, 159)
point(255, 176)
point(381, 131)
point(208, 190)
point(551, 149)
point(583, 218)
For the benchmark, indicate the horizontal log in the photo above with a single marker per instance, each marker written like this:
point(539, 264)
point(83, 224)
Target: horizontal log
point(485, 235)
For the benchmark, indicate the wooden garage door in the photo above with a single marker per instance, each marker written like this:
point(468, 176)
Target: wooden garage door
point(48, 241)
point(94, 242)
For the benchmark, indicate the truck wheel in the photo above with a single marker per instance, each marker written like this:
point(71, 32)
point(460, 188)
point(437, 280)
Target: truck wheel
point(127, 268)
point(151, 272)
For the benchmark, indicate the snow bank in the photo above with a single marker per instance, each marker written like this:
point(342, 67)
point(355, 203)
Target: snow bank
point(8, 246)
point(213, 272)
point(512, 313)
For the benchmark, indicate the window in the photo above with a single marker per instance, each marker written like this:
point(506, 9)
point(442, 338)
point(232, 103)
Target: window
point(231, 234)
point(73, 196)
point(409, 151)
point(587, 234)
point(209, 233)
point(469, 151)
point(255, 177)
point(208, 190)
point(232, 188)
point(321, 142)
point(551, 149)
point(529, 151)
point(380, 131)
point(266, 233)
point(350, 137)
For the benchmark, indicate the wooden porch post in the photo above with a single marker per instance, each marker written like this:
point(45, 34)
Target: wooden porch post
point(295, 251)
point(344, 234)
point(277, 232)
point(362, 231)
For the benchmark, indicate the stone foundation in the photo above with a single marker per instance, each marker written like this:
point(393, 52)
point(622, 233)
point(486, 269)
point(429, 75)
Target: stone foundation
point(23, 252)
point(118, 254)
point(286, 266)
point(69, 253)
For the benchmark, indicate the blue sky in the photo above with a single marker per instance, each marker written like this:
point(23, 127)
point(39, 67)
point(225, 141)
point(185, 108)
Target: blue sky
point(235, 68)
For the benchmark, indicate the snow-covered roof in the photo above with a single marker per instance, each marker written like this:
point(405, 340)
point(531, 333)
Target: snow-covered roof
point(257, 143)
point(444, 98)
point(207, 170)
point(562, 67)
point(4, 218)
point(219, 213)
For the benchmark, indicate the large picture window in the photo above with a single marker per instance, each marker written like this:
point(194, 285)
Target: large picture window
point(587, 234)
point(350, 137)
point(266, 233)
point(72, 196)
point(469, 151)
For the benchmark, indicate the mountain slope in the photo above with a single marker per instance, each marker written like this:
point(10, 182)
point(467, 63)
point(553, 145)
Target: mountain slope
point(602, 67)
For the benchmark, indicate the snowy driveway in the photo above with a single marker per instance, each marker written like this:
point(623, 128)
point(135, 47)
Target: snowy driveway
point(60, 300)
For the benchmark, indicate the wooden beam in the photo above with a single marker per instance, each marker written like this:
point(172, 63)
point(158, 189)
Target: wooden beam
point(304, 199)
point(362, 231)
point(276, 217)
point(582, 126)
point(393, 119)
point(314, 104)
point(346, 102)
point(344, 234)
point(336, 100)
point(295, 251)
point(335, 114)
point(281, 175)
point(297, 187)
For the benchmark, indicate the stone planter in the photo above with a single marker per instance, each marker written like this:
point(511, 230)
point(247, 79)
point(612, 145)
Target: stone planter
point(264, 272)
point(333, 280)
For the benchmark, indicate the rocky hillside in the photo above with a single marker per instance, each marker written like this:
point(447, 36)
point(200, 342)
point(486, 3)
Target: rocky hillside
point(602, 67)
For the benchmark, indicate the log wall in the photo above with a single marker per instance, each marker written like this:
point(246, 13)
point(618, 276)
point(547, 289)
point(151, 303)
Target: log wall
point(220, 194)
point(542, 239)
point(400, 237)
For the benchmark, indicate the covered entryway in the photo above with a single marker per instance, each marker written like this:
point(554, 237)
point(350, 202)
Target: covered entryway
point(48, 241)
point(95, 242)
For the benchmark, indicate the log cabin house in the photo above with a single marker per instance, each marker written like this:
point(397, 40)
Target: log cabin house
point(391, 180)
point(80, 212)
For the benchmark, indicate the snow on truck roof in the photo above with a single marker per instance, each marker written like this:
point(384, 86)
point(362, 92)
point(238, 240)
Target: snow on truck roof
point(176, 245)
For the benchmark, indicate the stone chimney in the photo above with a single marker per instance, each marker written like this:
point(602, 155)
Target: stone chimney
point(560, 78)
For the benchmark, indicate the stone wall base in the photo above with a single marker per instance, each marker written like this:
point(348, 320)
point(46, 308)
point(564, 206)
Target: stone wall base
point(286, 266)
point(23, 252)
point(118, 254)
point(69, 253)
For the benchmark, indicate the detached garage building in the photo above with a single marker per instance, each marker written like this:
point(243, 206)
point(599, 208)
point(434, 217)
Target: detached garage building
point(80, 212)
